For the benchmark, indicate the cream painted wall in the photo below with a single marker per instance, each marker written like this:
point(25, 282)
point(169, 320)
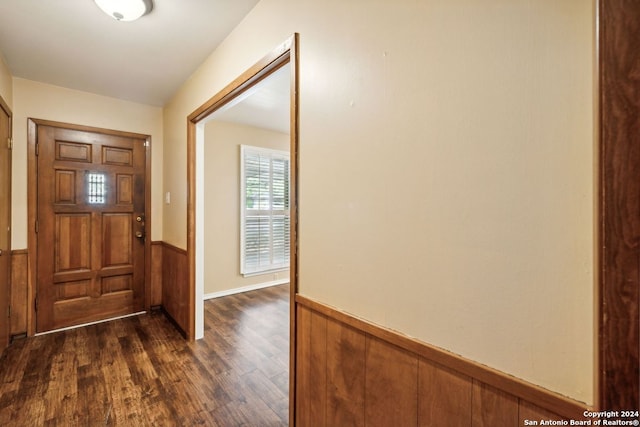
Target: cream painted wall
point(6, 87)
point(43, 101)
point(447, 177)
point(222, 202)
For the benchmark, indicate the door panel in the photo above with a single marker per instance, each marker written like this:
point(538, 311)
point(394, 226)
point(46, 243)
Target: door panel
point(91, 206)
point(5, 223)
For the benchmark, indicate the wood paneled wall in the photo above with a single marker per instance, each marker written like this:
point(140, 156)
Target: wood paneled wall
point(352, 373)
point(175, 285)
point(155, 299)
point(19, 283)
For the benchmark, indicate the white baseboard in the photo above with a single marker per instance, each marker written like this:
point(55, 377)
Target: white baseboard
point(245, 289)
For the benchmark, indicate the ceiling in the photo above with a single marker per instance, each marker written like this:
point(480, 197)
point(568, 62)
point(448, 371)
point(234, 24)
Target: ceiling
point(73, 44)
point(265, 105)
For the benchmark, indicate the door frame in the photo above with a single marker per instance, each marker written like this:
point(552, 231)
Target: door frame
point(287, 53)
point(5, 107)
point(618, 227)
point(32, 203)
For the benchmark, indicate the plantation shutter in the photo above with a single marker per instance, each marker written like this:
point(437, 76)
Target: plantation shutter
point(265, 222)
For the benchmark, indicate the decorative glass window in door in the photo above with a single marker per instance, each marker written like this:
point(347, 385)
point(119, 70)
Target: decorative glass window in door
point(97, 189)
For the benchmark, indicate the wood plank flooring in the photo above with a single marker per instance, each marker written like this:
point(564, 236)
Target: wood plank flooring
point(139, 371)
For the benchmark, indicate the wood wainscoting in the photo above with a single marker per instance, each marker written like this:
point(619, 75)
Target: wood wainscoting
point(175, 285)
point(351, 372)
point(19, 287)
point(155, 294)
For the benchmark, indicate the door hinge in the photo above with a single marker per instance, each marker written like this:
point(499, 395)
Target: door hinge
point(10, 143)
point(37, 226)
point(146, 143)
point(37, 148)
point(9, 311)
point(35, 303)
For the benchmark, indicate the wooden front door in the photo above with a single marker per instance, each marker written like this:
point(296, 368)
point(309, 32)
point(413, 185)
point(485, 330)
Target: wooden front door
point(90, 226)
point(5, 222)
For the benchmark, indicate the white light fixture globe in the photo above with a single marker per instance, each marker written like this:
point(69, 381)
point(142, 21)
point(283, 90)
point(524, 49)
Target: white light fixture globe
point(125, 10)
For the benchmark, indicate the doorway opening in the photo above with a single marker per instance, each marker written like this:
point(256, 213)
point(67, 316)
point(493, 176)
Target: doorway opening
point(244, 158)
point(284, 56)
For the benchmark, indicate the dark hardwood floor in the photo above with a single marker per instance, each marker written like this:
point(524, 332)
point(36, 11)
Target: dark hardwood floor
point(139, 371)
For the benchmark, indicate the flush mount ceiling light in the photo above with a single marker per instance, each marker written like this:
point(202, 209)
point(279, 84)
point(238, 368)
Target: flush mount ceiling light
point(125, 10)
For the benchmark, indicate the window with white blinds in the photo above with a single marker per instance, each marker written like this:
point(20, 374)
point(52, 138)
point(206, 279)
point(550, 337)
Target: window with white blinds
point(264, 210)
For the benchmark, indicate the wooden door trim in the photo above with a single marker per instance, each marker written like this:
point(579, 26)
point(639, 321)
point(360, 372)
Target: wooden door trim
point(285, 53)
point(32, 200)
point(92, 129)
point(5, 107)
point(618, 294)
point(7, 110)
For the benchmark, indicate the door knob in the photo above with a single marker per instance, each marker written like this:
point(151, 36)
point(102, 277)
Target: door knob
point(139, 234)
